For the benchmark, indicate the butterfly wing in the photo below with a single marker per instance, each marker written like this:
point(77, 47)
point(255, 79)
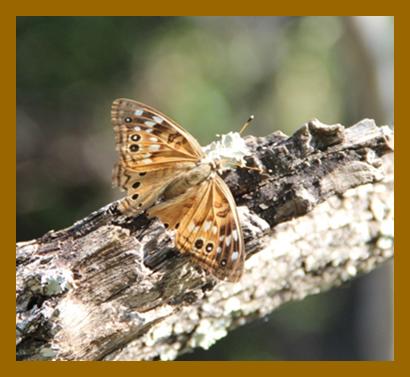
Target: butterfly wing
point(143, 188)
point(207, 227)
point(153, 150)
point(147, 139)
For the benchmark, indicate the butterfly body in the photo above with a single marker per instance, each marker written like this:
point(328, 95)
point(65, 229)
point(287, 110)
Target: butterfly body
point(168, 175)
point(187, 180)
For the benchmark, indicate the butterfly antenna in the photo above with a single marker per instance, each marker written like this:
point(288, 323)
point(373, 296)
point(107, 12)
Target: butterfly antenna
point(247, 123)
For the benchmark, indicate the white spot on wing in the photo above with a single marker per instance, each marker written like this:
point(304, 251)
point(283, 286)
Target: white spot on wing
point(138, 112)
point(158, 119)
point(136, 128)
point(235, 235)
point(191, 227)
point(149, 123)
point(214, 229)
point(207, 226)
point(219, 250)
point(154, 147)
point(154, 139)
point(196, 229)
point(235, 256)
point(228, 240)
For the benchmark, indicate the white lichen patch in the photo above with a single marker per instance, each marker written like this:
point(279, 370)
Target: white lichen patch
point(387, 228)
point(230, 150)
point(363, 230)
point(56, 281)
point(193, 315)
point(299, 273)
point(152, 315)
point(302, 229)
point(385, 243)
point(339, 219)
point(390, 205)
point(169, 353)
point(378, 209)
point(387, 253)
point(186, 321)
point(276, 249)
point(73, 315)
point(212, 310)
point(162, 331)
point(351, 270)
point(233, 304)
point(356, 253)
point(208, 332)
point(27, 248)
point(309, 263)
point(48, 310)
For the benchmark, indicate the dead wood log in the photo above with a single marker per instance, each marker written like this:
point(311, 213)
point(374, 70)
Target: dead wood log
point(114, 288)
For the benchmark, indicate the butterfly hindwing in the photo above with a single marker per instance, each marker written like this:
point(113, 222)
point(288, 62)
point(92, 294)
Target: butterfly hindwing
point(207, 227)
point(143, 188)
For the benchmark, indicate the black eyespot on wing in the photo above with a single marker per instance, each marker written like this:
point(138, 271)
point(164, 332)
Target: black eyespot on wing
point(199, 243)
point(136, 185)
point(209, 247)
point(135, 137)
point(223, 263)
point(134, 148)
point(127, 120)
point(143, 173)
point(135, 197)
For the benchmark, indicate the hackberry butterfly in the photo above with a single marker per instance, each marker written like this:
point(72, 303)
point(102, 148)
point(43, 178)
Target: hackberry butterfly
point(166, 173)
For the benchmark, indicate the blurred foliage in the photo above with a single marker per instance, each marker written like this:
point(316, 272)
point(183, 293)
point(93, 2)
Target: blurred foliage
point(209, 74)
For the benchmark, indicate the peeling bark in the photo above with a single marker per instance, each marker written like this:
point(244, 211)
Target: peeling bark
point(114, 288)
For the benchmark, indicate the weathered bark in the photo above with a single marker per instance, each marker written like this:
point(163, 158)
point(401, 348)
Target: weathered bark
point(113, 288)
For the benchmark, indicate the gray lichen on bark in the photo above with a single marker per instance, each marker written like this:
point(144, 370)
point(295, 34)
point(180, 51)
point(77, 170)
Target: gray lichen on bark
point(114, 288)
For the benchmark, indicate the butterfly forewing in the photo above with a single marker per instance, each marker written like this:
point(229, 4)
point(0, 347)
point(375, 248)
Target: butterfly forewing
point(147, 138)
point(153, 150)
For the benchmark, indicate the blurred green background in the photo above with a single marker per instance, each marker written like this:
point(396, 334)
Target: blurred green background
point(209, 74)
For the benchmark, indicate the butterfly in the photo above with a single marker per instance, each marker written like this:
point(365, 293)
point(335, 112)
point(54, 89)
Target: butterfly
point(168, 175)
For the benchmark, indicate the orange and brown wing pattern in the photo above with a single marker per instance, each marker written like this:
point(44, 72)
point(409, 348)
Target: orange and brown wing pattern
point(207, 227)
point(143, 188)
point(146, 139)
point(153, 151)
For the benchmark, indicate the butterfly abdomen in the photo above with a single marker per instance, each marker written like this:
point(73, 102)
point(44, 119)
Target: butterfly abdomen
point(187, 180)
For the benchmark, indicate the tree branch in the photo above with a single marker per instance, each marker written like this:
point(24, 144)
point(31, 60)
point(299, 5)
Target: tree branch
point(114, 288)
